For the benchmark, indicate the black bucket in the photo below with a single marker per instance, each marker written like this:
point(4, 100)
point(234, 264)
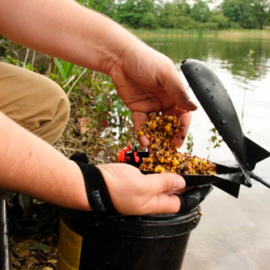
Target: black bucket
point(150, 242)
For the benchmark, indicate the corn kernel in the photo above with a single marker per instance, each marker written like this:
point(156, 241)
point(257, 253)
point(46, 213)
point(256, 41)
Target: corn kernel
point(159, 169)
point(153, 125)
point(195, 161)
point(204, 161)
point(168, 127)
point(175, 162)
point(162, 160)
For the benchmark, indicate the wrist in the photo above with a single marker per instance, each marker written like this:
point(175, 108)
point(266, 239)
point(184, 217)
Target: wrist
point(96, 190)
point(119, 45)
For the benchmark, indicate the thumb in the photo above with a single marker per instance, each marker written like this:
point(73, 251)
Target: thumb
point(164, 182)
point(161, 202)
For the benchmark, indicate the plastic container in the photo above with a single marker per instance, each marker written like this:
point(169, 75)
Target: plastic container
point(151, 242)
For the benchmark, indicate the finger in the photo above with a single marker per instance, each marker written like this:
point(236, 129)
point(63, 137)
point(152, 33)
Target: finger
point(176, 88)
point(178, 192)
point(184, 101)
point(179, 137)
point(166, 204)
point(138, 118)
point(165, 182)
point(184, 117)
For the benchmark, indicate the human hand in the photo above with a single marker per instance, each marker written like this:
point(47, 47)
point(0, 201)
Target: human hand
point(122, 188)
point(147, 81)
point(133, 193)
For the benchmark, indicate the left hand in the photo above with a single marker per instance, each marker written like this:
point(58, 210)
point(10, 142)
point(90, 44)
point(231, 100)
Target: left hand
point(133, 193)
point(128, 191)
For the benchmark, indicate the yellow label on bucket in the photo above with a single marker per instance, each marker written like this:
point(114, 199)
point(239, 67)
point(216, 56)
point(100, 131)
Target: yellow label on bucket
point(69, 248)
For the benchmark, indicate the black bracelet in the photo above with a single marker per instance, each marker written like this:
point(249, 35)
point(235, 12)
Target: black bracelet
point(96, 189)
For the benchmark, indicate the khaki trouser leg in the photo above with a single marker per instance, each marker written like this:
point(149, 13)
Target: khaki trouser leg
point(33, 101)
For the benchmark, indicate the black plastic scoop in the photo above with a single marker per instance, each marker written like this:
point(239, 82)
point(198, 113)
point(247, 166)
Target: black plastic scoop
point(228, 179)
point(217, 104)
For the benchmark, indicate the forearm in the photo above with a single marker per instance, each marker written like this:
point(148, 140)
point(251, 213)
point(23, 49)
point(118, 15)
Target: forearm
point(66, 30)
point(31, 166)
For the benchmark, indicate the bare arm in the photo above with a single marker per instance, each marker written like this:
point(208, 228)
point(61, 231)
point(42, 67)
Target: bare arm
point(31, 166)
point(65, 29)
point(145, 79)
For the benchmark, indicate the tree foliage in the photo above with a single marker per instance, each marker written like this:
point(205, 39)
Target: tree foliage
point(200, 11)
point(247, 13)
point(186, 14)
point(138, 13)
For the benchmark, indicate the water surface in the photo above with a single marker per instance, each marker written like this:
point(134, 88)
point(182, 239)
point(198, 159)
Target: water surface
point(233, 233)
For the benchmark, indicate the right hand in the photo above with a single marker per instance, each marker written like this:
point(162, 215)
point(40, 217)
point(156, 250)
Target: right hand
point(148, 81)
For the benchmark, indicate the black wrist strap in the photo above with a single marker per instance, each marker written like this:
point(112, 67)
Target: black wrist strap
point(96, 189)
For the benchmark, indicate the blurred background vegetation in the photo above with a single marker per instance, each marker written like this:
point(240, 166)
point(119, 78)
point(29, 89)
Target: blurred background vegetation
point(99, 123)
point(187, 14)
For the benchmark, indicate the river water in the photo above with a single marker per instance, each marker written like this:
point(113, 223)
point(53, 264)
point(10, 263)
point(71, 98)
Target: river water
point(233, 233)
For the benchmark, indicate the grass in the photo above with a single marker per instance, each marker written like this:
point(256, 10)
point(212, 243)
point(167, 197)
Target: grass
point(232, 33)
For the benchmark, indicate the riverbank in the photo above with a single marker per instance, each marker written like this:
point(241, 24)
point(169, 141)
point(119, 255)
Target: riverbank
point(252, 34)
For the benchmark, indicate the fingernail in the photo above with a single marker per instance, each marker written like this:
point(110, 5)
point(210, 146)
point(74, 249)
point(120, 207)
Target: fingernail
point(144, 141)
point(178, 141)
point(191, 105)
point(179, 183)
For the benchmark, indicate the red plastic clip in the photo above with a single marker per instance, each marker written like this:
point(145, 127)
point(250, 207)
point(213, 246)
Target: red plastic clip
point(122, 154)
point(136, 158)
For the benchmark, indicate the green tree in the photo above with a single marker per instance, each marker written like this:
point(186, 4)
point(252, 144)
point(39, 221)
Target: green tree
point(247, 13)
point(131, 13)
point(169, 15)
point(219, 19)
point(149, 21)
point(183, 7)
point(261, 12)
point(107, 7)
point(200, 11)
